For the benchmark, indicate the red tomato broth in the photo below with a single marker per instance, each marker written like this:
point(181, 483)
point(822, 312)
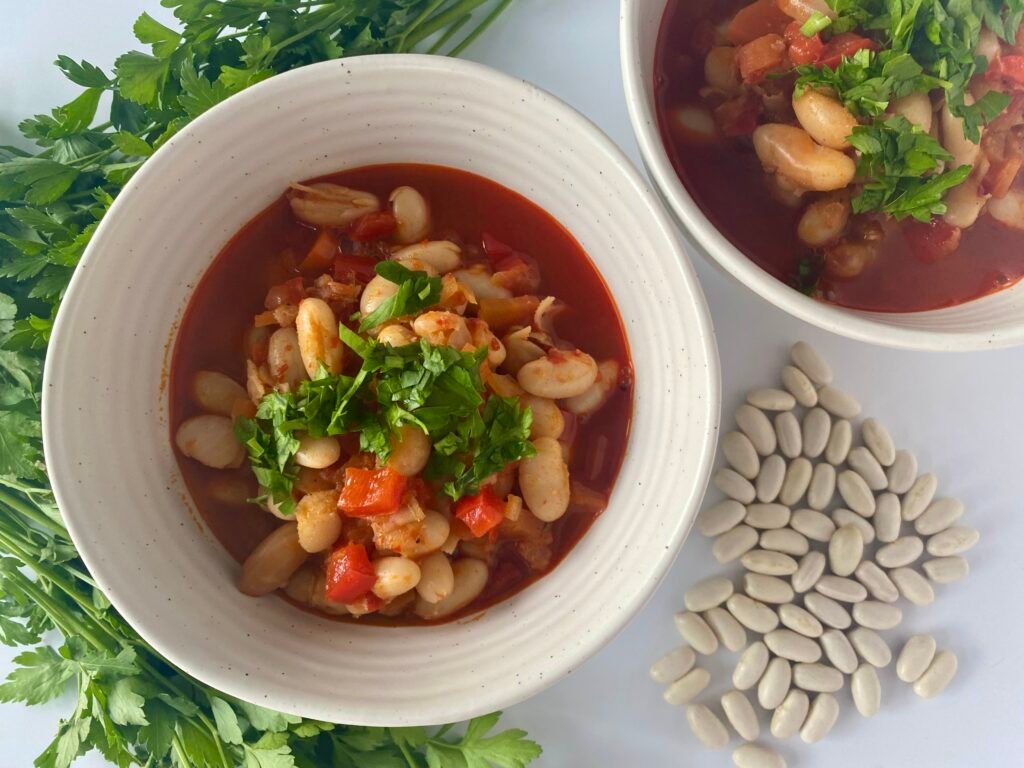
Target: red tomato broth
point(233, 288)
point(727, 183)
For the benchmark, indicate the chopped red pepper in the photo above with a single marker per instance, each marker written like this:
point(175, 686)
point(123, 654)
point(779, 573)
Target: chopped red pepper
point(494, 248)
point(354, 269)
point(350, 574)
point(373, 226)
point(843, 46)
point(760, 56)
point(321, 254)
point(1009, 69)
point(932, 241)
point(371, 492)
point(755, 20)
point(803, 49)
point(481, 513)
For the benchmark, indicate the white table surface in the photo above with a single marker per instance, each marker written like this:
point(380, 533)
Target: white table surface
point(962, 414)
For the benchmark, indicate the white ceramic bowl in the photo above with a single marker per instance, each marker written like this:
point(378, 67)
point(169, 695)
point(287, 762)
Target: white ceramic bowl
point(105, 412)
point(987, 323)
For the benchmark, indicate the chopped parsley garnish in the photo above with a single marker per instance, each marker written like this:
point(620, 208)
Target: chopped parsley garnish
point(817, 22)
point(435, 389)
point(901, 162)
point(416, 291)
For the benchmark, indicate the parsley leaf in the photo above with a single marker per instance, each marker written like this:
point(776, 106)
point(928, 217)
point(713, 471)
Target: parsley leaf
point(416, 291)
point(41, 675)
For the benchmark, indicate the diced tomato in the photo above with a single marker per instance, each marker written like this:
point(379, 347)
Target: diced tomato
point(802, 49)
point(350, 574)
point(373, 226)
point(932, 241)
point(354, 269)
point(494, 248)
point(502, 314)
point(756, 20)
point(481, 513)
point(843, 46)
point(1009, 69)
point(321, 254)
point(760, 56)
point(370, 492)
point(738, 117)
point(289, 292)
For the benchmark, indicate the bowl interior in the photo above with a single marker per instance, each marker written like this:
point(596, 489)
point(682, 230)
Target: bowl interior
point(105, 417)
point(993, 321)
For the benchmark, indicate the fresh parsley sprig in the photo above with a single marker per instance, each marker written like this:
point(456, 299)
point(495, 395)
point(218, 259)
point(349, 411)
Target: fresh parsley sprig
point(416, 291)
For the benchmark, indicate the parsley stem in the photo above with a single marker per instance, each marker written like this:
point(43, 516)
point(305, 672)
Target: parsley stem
point(423, 15)
point(405, 753)
point(449, 34)
point(480, 28)
point(37, 517)
point(442, 20)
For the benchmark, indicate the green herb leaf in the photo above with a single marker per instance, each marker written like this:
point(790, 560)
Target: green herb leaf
point(126, 705)
point(816, 23)
point(41, 675)
point(416, 291)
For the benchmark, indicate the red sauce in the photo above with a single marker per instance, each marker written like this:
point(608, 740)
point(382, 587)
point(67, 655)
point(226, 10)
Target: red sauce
point(232, 291)
point(727, 182)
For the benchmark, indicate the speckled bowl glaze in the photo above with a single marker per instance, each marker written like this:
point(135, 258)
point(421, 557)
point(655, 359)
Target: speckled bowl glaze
point(106, 432)
point(990, 322)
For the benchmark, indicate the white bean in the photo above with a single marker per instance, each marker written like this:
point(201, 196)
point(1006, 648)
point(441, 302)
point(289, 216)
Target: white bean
point(768, 563)
point(478, 279)
point(952, 541)
point(775, 683)
point(544, 480)
point(442, 255)
point(888, 519)
point(789, 437)
point(210, 440)
point(796, 482)
point(442, 329)
point(317, 332)
point(376, 292)
point(796, 381)
point(734, 543)
point(816, 428)
point(856, 493)
point(813, 524)
point(756, 756)
point(842, 589)
point(827, 610)
point(807, 359)
point(767, 516)
point(548, 420)
point(838, 651)
point(920, 495)
point(786, 541)
point(741, 715)
point(767, 589)
point(877, 582)
point(470, 578)
point(430, 535)
point(790, 715)
point(864, 463)
point(755, 425)
point(708, 593)
point(734, 485)
point(688, 687)
point(319, 522)
point(839, 441)
point(216, 392)
point(284, 360)
point(330, 205)
point(559, 374)
point(771, 399)
point(939, 516)
point(963, 150)
point(755, 616)
point(730, 633)
point(1008, 209)
point(272, 563)
point(965, 202)
point(751, 666)
point(791, 152)
point(437, 579)
point(946, 570)
point(845, 550)
point(916, 107)
point(792, 646)
point(695, 123)
point(696, 632)
point(871, 647)
point(673, 665)
point(317, 452)
point(902, 472)
point(819, 678)
point(901, 552)
point(875, 615)
point(410, 450)
point(598, 393)
point(824, 221)
point(721, 517)
point(720, 69)
point(412, 214)
point(876, 437)
point(913, 586)
point(740, 453)
point(915, 658)
point(809, 570)
point(939, 674)
point(395, 576)
point(866, 690)
point(821, 718)
point(706, 726)
point(822, 486)
point(843, 517)
point(825, 118)
point(769, 481)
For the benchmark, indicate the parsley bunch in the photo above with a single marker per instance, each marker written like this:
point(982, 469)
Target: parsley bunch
point(132, 705)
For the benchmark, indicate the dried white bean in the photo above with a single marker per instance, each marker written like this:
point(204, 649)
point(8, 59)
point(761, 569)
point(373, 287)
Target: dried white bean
point(800, 620)
point(827, 610)
point(839, 441)
point(822, 487)
point(317, 331)
point(946, 570)
point(210, 440)
point(740, 453)
point(792, 646)
point(845, 550)
point(730, 633)
point(808, 571)
point(843, 517)
point(816, 428)
point(790, 715)
point(820, 719)
point(751, 665)
point(864, 463)
point(755, 425)
point(812, 524)
point(767, 516)
point(740, 713)
point(837, 402)
point(798, 478)
point(902, 472)
point(273, 562)
point(688, 687)
point(789, 437)
point(913, 586)
point(412, 214)
point(871, 647)
point(696, 632)
point(708, 593)
point(888, 519)
point(709, 730)
point(915, 658)
point(469, 579)
point(877, 582)
point(771, 399)
point(319, 523)
point(559, 374)
point(673, 665)
point(901, 552)
point(866, 690)
point(756, 756)
point(838, 651)
point(785, 540)
point(939, 516)
point(842, 589)
point(721, 517)
point(939, 674)
point(217, 393)
point(876, 437)
point(819, 678)
point(920, 495)
point(734, 485)
point(734, 543)
point(769, 563)
point(801, 387)
point(807, 359)
point(769, 481)
point(876, 615)
point(952, 541)
point(856, 493)
point(775, 683)
point(753, 615)
point(767, 589)
point(395, 576)
point(544, 480)
point(317, 452)
point(437, 580)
